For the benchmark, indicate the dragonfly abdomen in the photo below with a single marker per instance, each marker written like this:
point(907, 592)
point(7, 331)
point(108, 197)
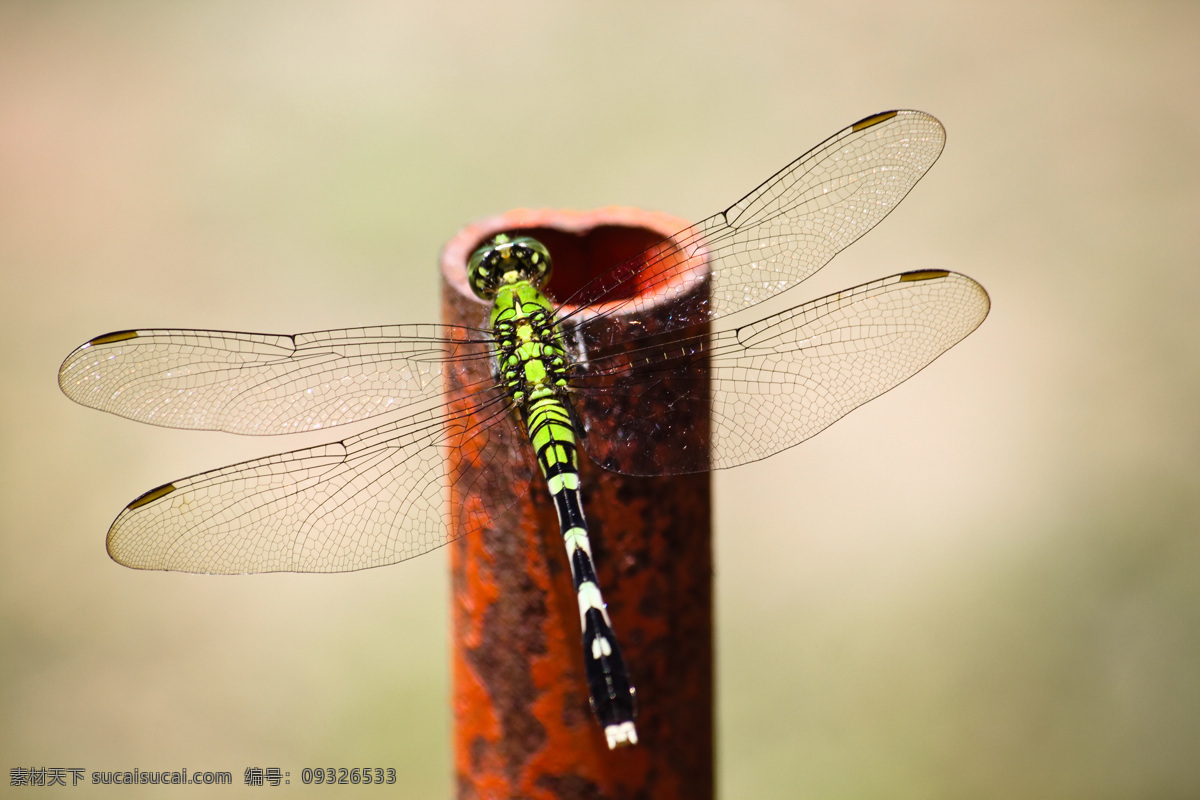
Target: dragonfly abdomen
point(548, 422)
point(609, 689)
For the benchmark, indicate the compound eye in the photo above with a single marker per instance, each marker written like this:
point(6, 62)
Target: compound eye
point(483, 267)
point(539, 261)
point(505, 260)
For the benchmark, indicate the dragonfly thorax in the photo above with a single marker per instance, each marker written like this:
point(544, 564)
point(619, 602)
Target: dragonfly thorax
point(504, 260)
point(530, 361)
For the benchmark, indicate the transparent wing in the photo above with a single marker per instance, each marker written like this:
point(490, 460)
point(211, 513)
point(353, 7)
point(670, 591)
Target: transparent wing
point(774, 382)
point(780, 233)
point(366, 501)
point(253, 383)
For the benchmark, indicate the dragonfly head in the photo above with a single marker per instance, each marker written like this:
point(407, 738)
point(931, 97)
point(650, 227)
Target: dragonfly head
point(506, 259)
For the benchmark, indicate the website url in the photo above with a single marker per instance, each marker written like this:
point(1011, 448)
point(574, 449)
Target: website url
point(138, 776)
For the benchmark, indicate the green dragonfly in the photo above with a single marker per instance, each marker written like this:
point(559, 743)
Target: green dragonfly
point(549, 371)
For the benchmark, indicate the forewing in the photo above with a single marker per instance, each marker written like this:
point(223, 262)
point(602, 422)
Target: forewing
point(252, 383)
point(773, 383)
point(367, 501)
point(779, 234)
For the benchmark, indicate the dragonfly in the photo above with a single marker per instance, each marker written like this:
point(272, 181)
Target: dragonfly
point(536, 381)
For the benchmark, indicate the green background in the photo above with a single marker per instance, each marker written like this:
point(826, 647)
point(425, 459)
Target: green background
point(985, 584)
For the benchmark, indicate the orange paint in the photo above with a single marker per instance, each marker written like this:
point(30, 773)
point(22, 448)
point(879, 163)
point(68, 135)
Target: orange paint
point(523, 727)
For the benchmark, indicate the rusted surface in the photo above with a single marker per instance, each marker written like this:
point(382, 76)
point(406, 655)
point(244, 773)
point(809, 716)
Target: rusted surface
point(522, 723)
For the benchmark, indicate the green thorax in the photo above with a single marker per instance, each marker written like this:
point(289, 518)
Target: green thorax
point(510, 272)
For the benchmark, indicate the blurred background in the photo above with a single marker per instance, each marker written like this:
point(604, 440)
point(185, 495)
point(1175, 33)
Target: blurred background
point(984, 584)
